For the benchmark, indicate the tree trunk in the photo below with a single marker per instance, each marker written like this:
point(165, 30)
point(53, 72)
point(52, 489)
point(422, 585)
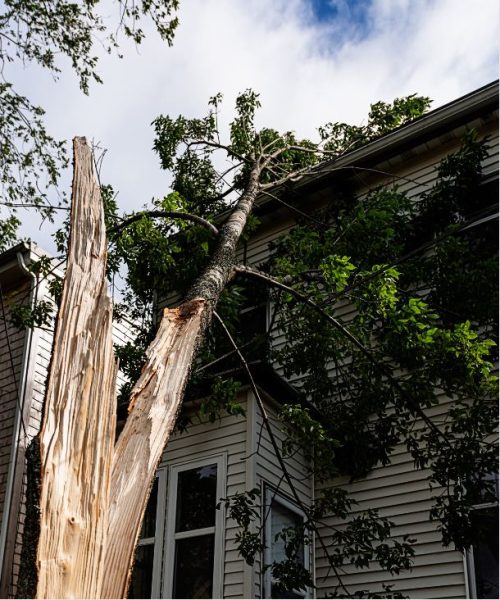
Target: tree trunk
point(94, 493)
point(155, 401)
point(78, 430)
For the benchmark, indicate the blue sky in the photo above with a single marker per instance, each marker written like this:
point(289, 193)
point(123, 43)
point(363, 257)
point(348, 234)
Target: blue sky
point(312, 61)
point(355, 10)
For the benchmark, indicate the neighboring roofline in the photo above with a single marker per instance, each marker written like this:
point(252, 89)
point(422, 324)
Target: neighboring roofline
point(10, 268)
point(25, 247)
point(430, 125)
point(11, 253)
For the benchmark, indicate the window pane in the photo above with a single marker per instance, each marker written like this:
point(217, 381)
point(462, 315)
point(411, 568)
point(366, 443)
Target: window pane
point(149, 522)
point(486, 554)
point(196, 498)
point(282, 518)
point(142, 574)
point(277, 593)
point(194, 567)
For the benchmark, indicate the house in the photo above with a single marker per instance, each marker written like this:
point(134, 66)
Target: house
point(187, 547)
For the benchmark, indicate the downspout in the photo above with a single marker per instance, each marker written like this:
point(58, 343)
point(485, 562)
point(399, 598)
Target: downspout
point(313, 545)
point(14, 478)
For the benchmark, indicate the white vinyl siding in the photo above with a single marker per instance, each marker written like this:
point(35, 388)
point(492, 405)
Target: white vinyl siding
point(400, 493)
point(398, 490)
point(225, 437)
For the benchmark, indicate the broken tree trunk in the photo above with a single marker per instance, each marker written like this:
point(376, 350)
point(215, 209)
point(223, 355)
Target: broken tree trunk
point(94, 493)
point(155, 401)
point(78, 430)
point(157, 396)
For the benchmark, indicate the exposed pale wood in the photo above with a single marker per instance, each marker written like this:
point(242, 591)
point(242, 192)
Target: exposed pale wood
point(156, 398)
point(79, 423)
point(154, 404)
point(94, 496)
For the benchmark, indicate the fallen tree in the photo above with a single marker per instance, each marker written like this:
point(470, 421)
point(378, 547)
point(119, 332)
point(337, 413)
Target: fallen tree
point(94, 491)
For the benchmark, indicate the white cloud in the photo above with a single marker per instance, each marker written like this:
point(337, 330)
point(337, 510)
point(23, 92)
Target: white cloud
point(307, 72)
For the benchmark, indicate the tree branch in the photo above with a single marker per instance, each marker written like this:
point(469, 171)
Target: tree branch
point(23, 205)
point(272, 437)
point(355, 342)
point(219, 147)
point(172, 214)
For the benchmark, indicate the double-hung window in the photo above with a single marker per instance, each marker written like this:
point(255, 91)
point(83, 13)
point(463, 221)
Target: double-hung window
point(281, 514)
point(193, 553)
point(145, 580)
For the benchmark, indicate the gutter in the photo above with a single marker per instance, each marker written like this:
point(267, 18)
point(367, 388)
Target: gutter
point(8, 533)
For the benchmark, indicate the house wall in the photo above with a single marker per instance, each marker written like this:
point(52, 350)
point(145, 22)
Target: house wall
point(401, 493)
point(250, 462)
point(398, 490)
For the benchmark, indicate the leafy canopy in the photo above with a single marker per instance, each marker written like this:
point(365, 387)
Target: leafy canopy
point(49, 34)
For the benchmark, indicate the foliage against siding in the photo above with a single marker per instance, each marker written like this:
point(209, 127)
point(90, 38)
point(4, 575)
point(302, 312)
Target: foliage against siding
point(399, 491)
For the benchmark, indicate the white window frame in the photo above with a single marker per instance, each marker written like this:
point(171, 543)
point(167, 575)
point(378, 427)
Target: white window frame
point(272, 495)
point(157, 540)
point(470, 569)
point(218, 529)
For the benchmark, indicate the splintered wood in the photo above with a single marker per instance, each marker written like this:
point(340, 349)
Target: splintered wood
point(77, 435)
point(155, 400)
point(94, 493)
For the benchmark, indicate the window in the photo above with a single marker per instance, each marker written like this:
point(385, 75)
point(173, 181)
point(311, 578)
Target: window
point(482, 558)
point(253, 324)
point(145, 580)
point(194, 530)
point(280, 514)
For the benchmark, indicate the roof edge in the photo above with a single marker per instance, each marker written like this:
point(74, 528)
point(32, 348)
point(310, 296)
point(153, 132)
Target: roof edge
point(444, 117)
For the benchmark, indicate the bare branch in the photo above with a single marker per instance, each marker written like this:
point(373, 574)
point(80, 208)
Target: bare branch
point(226, 172)
point(23, 205)
point(172, 214)
point(218, 146)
